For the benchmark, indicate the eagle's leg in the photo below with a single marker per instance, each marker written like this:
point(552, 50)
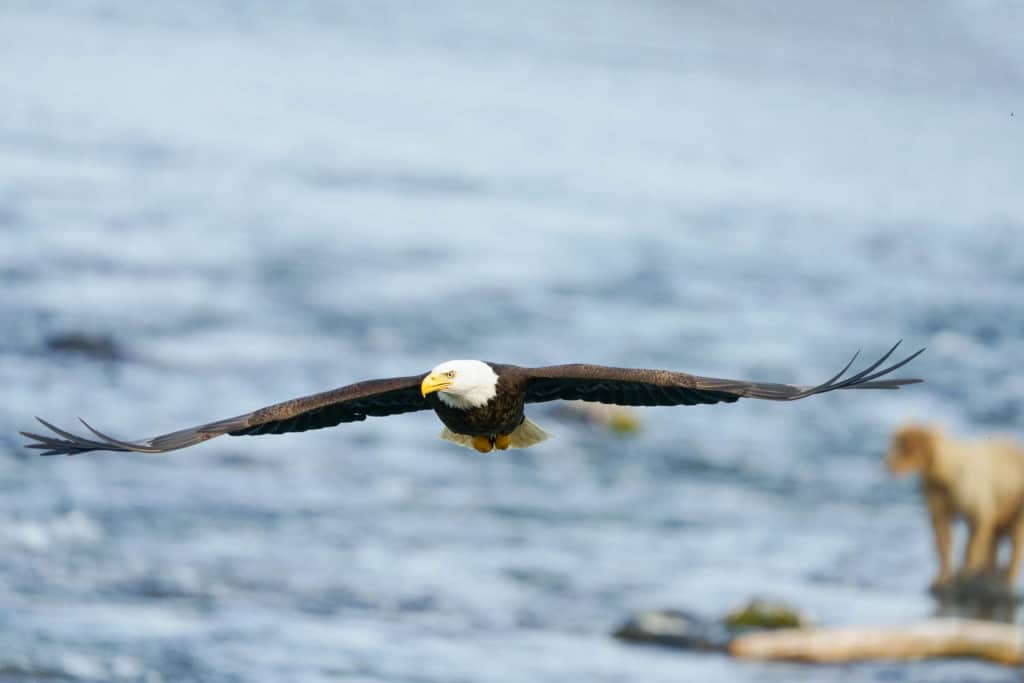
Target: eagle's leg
point(502, 441)
point(482, 443)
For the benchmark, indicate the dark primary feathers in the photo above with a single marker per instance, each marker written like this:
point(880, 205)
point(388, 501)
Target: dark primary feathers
point(352, 403)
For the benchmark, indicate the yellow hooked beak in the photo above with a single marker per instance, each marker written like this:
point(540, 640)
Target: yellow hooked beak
point(437, 381)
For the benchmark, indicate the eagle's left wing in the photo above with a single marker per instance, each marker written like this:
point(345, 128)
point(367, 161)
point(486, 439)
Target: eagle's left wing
point(637, 387)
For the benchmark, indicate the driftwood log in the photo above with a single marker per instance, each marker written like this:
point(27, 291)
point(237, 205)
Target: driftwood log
point(1000, 643)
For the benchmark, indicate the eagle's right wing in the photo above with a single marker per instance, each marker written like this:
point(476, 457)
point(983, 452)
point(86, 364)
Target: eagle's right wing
point(350, 403)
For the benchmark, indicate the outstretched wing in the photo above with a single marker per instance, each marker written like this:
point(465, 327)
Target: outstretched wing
point(351, 403)
point(635, 387)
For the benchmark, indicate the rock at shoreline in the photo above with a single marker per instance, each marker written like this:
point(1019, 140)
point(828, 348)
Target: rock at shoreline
point(99, 346)
point(676, 628)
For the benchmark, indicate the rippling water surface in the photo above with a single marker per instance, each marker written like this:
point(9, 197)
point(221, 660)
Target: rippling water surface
point(255, 201)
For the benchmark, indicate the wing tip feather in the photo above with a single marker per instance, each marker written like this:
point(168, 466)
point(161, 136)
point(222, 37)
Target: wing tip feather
point(868, 377)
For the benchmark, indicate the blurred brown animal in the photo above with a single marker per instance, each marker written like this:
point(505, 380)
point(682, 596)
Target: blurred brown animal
point(981, 481)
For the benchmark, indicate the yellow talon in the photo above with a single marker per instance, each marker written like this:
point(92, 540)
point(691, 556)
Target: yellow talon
point(482, 443)
point(502, 441)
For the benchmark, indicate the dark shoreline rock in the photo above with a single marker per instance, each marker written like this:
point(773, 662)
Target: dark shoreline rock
point(676, 628)
point(981, 589)
point(98, 346)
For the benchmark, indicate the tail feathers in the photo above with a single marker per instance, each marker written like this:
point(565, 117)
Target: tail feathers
point(464, 440)
point(525, 435)
point(528, 434)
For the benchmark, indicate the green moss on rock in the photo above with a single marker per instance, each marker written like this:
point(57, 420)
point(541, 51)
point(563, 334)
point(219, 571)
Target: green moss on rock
point(762, 614)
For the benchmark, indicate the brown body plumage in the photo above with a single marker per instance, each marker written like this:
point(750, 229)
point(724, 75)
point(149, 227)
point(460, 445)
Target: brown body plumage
point(500, 415)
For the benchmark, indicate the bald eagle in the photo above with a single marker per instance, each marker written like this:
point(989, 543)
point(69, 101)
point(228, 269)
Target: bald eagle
point(480, 404)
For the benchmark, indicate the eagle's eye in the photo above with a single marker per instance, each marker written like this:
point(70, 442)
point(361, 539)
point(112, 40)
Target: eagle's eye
point(450, 374)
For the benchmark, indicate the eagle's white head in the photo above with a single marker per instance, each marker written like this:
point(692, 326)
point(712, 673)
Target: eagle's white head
point(462, 383)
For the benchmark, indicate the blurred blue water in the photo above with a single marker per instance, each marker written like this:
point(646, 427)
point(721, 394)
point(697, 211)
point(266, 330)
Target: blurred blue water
point(262, 200)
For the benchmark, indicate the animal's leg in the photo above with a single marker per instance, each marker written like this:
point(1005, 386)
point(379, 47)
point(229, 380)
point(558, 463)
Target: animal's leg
point(482, 443)
point(978, 545)
point(502, 441)
point(992, 562)
point(1016, 548)
point(941, 519)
